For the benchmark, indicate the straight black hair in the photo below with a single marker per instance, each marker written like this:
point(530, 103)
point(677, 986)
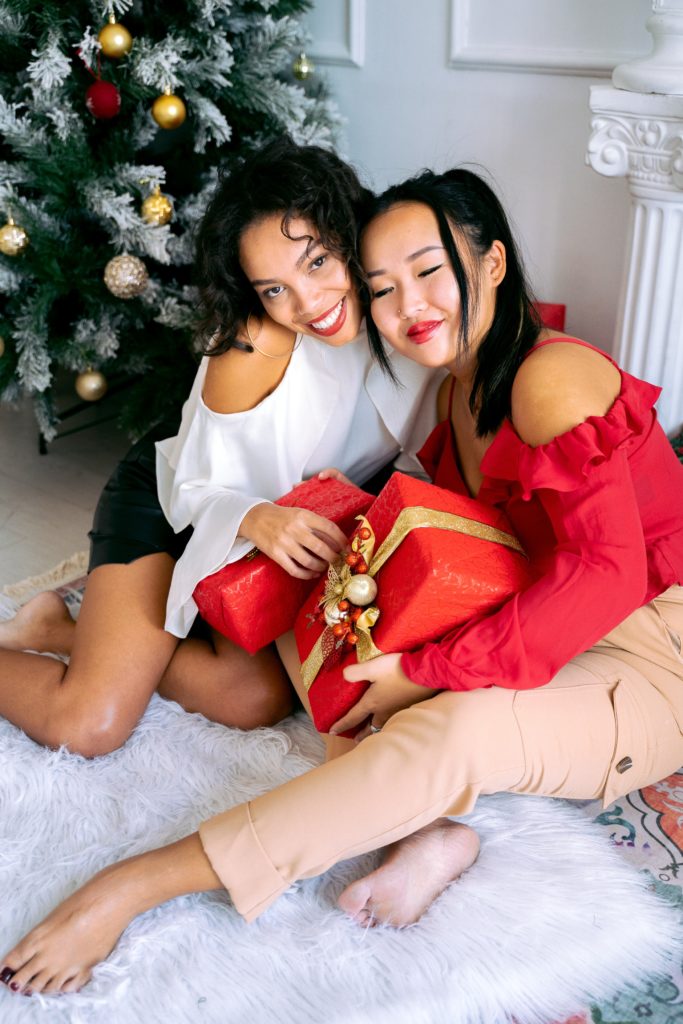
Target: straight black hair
point(467, 209)
point(281, 178)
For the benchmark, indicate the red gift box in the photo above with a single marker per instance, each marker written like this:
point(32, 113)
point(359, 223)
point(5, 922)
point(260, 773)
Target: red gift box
point(438, 559)
point(254, 601)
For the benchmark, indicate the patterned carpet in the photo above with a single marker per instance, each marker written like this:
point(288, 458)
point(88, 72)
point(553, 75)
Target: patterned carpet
point(647, 826)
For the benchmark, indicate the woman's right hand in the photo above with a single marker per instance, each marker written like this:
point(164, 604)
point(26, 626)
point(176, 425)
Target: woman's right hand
point(302, 542)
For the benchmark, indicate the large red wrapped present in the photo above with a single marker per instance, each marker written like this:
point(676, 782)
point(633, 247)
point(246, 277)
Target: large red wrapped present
point(254, 601)
point(422, 561)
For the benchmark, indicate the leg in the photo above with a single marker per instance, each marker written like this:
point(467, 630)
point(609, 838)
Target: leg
point(286, 647)
point(119, 653)
point(223, 682)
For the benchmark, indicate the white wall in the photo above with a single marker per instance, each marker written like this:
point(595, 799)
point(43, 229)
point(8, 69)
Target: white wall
point(408, 105)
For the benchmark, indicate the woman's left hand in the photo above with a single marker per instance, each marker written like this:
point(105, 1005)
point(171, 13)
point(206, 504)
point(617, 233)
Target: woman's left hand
point(390, 691)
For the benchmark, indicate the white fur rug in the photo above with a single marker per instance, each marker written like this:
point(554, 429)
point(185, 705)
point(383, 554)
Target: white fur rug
point(548, 918)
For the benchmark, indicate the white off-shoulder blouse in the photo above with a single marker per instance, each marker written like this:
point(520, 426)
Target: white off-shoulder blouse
point(333, 407)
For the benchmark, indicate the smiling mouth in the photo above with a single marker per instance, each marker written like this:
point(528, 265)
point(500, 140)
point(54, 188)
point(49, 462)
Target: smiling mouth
point(331, 321)
point(423, 331)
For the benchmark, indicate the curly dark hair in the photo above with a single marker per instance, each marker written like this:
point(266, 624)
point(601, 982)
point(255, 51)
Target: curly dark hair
point(280, 178)
point(465, 205)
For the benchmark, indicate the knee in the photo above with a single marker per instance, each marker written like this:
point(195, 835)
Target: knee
point(266, 701)
point(90, 731)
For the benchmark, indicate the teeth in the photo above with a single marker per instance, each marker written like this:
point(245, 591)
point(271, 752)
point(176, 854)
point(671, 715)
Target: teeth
point(322, 325)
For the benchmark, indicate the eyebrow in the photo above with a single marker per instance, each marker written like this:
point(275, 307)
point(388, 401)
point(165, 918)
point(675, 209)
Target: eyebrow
point(409, 259)
point(311, 246)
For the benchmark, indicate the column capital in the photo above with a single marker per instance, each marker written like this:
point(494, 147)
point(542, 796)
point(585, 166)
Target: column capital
point(638, 136)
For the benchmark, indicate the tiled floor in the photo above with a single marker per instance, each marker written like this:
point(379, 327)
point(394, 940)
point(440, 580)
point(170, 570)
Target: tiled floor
point(47, 501)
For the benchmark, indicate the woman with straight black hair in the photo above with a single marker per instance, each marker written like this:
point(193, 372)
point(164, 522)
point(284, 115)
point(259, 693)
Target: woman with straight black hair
point(571, 688)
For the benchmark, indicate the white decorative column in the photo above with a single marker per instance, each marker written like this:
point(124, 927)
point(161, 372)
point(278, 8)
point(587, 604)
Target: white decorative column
point(639, 135)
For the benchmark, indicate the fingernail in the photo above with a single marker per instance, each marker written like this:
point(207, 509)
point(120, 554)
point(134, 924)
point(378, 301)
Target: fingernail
point(7, 975)
point(27, 992)
point(14, 986)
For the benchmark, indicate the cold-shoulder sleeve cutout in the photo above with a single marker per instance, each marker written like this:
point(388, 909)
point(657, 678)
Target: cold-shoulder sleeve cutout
point(563, 463)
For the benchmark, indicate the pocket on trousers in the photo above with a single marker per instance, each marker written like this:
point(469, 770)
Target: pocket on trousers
point(648, 745)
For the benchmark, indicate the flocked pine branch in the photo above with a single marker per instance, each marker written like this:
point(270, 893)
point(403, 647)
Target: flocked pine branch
point(76, 183)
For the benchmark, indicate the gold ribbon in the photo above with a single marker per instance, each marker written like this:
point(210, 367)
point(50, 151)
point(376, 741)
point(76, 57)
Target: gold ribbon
point(414, 517)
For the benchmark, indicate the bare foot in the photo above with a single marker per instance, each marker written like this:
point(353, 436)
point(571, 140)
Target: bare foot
point(415, 871)
point(43, 624)
point(60, 952)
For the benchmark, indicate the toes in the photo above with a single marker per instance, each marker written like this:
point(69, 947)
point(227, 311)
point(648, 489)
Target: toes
point(69, 979)
point(354, 899)
point(23, 976)
point(76, 983)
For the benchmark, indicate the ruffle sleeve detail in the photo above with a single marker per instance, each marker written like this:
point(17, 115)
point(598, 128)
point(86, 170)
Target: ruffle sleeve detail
point(512, 467)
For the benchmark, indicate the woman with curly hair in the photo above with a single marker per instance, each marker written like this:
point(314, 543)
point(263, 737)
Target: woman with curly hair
point(287, 387)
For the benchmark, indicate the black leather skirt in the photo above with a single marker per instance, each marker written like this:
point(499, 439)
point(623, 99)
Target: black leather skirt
point(129, 522)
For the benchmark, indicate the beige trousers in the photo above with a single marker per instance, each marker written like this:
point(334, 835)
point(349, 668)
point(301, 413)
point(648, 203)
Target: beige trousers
point(611, 721)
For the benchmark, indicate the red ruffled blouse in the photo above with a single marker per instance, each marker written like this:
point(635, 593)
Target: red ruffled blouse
point(599, 511)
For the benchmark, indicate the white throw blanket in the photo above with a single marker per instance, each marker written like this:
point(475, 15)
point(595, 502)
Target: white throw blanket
point(548, 917)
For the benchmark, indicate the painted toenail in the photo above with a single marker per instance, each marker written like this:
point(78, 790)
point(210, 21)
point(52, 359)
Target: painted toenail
point(27, 992)
point(14, 986)
point(7, 975)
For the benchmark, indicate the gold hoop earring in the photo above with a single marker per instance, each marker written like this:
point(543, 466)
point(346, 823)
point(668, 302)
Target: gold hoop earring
point(270, 355)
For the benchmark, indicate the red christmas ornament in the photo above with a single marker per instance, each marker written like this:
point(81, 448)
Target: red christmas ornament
point(103, 100)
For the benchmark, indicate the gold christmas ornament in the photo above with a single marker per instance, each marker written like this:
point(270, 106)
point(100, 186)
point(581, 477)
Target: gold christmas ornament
point(91, 385)
point(302, 67)
point(115, 39)
point(157, 208)
point(126, 276)
point(168, 110)
point(361, 590)
point(13, 239)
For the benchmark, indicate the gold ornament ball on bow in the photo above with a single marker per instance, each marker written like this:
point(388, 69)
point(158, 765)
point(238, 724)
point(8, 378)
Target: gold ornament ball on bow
point(157, 208)
point(302, 67)
point(115, 39)
point(91, 385)
point(126, 276)
point(13, 239)
point(169, 111)
point(360, 590)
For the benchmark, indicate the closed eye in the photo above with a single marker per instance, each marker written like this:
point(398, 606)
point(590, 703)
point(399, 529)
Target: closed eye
point(381, 292)
point(430, 270)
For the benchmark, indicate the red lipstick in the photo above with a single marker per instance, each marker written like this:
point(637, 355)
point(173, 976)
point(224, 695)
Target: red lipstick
point(422, 331)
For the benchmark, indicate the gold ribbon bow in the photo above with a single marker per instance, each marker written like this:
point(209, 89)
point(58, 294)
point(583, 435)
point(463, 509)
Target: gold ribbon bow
point(413, 517)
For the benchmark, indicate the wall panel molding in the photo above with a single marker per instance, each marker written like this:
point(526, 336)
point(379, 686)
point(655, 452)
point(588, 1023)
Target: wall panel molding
point(569, 37)
point(338, 30)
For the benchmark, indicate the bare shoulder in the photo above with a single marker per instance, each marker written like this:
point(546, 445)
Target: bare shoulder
point(442, 397)
point(237, 381)
point(559, 386)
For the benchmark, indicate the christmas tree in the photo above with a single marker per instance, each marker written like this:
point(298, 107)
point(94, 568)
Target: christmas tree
point(115, 122)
